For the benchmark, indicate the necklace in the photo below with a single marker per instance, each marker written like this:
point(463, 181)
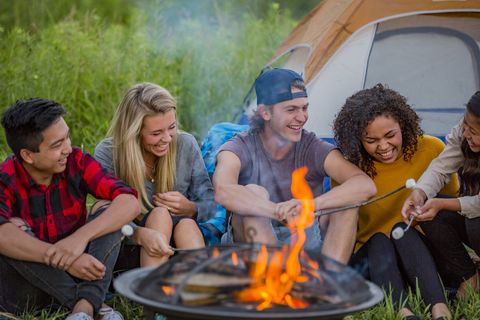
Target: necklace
point(151, 175)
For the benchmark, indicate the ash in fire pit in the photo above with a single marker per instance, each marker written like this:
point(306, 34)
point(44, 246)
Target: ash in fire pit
point(233, 282)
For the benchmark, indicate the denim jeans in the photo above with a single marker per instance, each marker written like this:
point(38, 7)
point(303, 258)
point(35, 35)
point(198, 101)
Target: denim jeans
point(25, 284)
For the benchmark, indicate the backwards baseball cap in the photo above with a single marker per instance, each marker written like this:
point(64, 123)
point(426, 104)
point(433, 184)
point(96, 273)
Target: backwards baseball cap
point(275, 85)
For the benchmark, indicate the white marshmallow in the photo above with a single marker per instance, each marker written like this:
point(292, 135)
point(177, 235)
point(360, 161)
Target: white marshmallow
point(397, 233)
point(410, 184)
point(127, 230)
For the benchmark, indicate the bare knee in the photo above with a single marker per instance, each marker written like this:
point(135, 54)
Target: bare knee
point(253, 229)
point(187, 223)
point(158, 214)
point(187, 235)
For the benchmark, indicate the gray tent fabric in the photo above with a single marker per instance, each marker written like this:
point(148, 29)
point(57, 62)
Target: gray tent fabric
point(430, 53)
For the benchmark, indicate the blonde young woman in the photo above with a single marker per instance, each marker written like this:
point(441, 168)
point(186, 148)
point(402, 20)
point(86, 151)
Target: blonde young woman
point(145, 149)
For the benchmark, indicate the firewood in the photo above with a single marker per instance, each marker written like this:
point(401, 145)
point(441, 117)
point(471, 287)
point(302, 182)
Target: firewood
point(198, 299)
point(210, 283)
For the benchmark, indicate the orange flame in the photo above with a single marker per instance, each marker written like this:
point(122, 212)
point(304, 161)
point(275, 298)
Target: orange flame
point(168, 290)
point(275, 278)
point(234, 258)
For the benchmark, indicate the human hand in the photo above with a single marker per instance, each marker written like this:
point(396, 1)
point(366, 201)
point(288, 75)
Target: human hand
point(87, 267)
point(175, 202)
point(63, 253)
point(285, 211)
point(412, 204)
point(429, 210)
point(154, 242)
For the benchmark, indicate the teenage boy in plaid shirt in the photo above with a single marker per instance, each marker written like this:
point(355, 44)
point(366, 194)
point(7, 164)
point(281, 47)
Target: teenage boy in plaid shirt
point(50, 248)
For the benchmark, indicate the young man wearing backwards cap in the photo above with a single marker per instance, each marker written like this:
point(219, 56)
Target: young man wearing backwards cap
point(254, 173)
point(50, 249)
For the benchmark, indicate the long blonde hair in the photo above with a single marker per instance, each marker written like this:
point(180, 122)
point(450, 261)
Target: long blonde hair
point(140, 101)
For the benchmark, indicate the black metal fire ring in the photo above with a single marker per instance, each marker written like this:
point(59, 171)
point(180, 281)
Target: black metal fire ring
point(127, 282)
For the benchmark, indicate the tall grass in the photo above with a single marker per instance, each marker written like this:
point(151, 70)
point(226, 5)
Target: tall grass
point(87, 64)
point(36, 15)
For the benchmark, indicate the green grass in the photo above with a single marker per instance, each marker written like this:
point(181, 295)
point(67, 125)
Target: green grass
point(86, 61)
point(464, 309)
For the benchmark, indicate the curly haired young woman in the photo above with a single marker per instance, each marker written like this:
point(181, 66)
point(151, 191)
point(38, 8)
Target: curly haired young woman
point(378, 131)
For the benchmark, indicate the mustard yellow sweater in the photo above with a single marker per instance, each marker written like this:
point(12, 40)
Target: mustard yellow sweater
point(382, 215)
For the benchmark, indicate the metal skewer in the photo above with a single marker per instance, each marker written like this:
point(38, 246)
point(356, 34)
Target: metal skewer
point(409, 184)
point(127, 231)
point(399, 232)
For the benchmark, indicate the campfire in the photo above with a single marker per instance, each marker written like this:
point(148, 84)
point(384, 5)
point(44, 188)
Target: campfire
point(274, 279)
point(252, 280)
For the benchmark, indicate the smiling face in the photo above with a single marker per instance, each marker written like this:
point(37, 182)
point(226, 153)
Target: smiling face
point(52, 155)
point(157, 133)
point(382, 139)
point(285, 120)
point(471, 127)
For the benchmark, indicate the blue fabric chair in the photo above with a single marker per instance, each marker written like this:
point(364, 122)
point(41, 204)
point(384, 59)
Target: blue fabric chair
point(214, 228)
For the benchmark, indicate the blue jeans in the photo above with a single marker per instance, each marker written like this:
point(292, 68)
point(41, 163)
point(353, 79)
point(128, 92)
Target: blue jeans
point(26, 284)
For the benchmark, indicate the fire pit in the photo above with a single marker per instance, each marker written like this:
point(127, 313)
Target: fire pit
point(253, 281)
point(232, 282)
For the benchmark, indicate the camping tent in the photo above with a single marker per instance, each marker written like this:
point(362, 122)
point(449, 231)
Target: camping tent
point(428, 50)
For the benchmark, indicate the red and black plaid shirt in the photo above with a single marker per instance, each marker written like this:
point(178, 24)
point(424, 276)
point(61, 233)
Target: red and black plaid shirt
point(56, 211)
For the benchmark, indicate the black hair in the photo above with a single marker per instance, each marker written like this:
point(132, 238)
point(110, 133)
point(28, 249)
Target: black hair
point(25, 120)
point(470, 173)
point(360, 110)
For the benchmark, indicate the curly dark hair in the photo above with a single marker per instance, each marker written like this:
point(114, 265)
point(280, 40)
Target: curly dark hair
point(470, 173)
point(360, 110)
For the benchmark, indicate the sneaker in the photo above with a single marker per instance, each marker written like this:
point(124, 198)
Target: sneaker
point(79, 316)
point(107, 313)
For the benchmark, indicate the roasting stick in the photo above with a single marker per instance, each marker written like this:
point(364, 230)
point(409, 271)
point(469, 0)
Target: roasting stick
point(127, 231)
point(409, 184)
point(398, 232)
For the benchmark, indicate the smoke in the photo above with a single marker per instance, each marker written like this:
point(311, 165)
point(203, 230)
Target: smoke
point(213, 50)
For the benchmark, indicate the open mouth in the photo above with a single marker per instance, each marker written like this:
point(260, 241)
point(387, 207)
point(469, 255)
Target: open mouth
point(161, 148)
point(388, 155)
point(295, 127)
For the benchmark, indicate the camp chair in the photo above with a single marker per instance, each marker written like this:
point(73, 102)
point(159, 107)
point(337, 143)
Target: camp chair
point(214, 228)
